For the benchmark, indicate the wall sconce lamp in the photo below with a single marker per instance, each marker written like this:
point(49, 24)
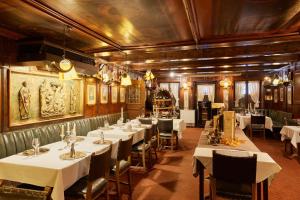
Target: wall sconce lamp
point(226, 83)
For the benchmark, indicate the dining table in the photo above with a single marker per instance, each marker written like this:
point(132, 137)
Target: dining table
point(245, 120)
point(202, 160)
point(292, 133)
point(120, 132)
point(50, 169)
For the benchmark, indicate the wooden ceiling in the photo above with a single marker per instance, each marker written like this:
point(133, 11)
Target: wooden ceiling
point(184, 36)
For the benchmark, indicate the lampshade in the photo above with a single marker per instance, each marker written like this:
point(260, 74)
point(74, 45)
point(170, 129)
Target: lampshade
point(149, 75)
point(225, 83)
point(70, 75)
point(276, 80)
point(125, 79)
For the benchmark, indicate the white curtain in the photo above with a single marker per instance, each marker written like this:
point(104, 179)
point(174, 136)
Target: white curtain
point(208, 90)
point(164, 86)
point(174, 88)
point(253, 87)
point(240, 91)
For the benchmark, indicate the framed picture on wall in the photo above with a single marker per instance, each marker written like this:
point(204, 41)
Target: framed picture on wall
point(122, 95)
point(281, 94)
point(114, 94)
point(104, 94)
point(276, 95)
point(289, 95)
point(91, 94)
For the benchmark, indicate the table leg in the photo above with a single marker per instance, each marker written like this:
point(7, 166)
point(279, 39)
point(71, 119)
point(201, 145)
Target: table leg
point(201, 179)
point(258, 191)
point(266, 189)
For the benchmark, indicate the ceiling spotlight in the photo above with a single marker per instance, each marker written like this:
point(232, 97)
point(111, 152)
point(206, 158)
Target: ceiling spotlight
point(172, 74)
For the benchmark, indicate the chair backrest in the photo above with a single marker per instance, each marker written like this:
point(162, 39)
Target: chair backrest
point(234, 169)
point(165, 125)
point(99, 165)
point(145, 120)
point(258, 119)
point(148, 134)
point(124, 149)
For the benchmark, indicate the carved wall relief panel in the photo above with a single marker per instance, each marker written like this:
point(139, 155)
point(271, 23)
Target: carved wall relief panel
point(52, 99)
point(36, 96)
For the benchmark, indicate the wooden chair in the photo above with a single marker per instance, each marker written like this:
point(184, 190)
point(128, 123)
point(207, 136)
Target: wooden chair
point(143, 148)
point(258, 124)
point(165, 132)
point(154, 140)
point(233, 176)
point(13, 193)
point(122, 166)
point(96, 183)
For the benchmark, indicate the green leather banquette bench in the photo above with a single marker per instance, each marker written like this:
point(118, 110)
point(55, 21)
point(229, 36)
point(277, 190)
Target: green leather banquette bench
point(20, 140)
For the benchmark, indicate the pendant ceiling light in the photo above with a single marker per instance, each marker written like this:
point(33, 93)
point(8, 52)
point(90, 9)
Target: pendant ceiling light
point(276, 80)
point(66, 69)
point(149, 75)
point(125, 79)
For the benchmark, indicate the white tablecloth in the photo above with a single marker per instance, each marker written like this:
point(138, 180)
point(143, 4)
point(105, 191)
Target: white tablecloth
point(266, 166)
point(48, 169)
point(118, 133)
point(246, 120)
point(291, 132)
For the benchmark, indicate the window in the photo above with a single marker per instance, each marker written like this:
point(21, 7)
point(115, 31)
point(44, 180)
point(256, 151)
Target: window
point(173, 88)
point(253, 91)
point(207, 89)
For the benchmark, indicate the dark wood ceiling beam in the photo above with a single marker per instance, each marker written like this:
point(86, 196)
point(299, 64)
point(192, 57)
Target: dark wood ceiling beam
point(231, 69)
point(191, 14)
point(219, 62)
point(62, 18)
point(281, 48)
point(10, 34)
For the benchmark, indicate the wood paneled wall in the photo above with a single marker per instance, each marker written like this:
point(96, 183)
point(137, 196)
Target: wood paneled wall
point(283, 105)
point(98, 108)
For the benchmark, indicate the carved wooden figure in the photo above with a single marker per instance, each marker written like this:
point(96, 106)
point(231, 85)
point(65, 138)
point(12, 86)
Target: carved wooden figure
point(24, 101)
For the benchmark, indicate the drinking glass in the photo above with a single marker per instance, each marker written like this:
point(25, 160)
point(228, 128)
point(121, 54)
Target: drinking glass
point(35, 145)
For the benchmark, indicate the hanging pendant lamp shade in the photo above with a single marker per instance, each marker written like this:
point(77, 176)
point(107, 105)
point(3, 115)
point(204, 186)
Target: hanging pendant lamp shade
point(125, 80)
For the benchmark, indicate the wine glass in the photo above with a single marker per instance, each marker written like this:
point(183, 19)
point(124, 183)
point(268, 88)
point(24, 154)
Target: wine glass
point(35, 145)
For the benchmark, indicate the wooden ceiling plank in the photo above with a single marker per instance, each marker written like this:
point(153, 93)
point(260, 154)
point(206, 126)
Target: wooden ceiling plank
point(51, 12)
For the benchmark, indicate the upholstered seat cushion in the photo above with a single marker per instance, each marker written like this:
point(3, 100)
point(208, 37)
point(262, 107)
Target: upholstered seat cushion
point(123, 166)
point(165, 134)
point(79, 189)
point(257, 126)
